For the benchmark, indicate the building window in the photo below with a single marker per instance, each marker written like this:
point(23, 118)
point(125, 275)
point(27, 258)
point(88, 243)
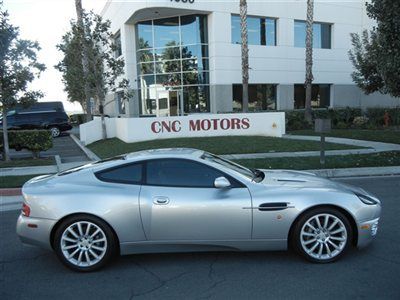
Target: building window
point(261, 97)
point(261, 31)
point(321, 35)
point(172, 56)
point(121, 103)
point(117, 44)
point(320, 96)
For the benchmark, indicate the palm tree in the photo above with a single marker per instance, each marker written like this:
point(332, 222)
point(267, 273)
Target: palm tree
point(245, 54)
point(85, 59)
point(309, 59)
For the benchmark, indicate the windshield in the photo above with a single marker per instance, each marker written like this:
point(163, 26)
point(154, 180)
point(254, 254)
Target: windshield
point(229, 164)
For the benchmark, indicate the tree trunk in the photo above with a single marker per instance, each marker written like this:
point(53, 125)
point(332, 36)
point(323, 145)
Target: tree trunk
point(245, 55)
point(85, 60)
point(101, 98)
point(309, 59)
point(6, 146)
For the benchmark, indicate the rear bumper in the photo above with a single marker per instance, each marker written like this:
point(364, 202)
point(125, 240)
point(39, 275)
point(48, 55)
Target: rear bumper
point(37, 233)
point(367, 232)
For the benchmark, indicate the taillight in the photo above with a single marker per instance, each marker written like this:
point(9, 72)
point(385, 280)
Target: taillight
point(26, 211)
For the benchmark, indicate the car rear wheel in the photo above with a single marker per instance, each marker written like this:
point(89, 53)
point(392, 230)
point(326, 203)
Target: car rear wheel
point(55, 132)
point(84, 243)
point(322, 235)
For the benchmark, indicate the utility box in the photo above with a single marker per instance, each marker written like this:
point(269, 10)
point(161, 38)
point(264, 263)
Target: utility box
point(323, 125)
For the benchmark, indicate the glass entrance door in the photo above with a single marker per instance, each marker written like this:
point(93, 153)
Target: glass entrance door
point(169, 103)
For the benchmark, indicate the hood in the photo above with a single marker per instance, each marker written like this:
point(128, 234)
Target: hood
point(299, 179)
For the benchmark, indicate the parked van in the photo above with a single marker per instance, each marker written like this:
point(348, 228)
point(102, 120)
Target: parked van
point(41, 115)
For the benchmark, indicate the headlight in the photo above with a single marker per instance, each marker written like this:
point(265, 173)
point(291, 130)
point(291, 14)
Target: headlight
point(366, 199)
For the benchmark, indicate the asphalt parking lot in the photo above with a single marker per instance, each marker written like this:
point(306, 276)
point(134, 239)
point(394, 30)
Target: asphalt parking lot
point(372, 273)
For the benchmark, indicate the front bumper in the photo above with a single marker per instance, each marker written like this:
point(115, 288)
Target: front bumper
point(35, 231)
point(367, 232)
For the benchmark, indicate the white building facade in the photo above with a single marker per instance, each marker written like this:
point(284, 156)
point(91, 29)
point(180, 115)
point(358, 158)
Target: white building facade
point(184, 56)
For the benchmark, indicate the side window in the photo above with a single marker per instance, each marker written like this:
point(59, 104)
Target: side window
point(129, 174)
point(181, 173)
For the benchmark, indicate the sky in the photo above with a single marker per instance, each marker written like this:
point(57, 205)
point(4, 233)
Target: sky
point(46, 21)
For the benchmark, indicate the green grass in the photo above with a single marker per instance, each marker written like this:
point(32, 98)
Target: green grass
point(379, 135)
point(14, 181)
point(382, 159)
point(27, 162)
point(217, 145)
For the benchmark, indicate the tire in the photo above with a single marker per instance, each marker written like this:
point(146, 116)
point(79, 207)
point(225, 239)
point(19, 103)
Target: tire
point(82, 250)
point(322, 242)
point(55, 131)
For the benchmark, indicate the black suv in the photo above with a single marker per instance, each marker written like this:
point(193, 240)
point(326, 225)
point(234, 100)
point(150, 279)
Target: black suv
point(50, 115)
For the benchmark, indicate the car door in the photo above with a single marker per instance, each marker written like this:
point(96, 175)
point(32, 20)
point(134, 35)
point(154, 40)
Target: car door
point(178, 201)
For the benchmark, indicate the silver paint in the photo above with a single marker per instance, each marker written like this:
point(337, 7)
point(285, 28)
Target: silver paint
point(174, 219)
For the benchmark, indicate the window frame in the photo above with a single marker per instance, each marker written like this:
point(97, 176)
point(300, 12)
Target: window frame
point(234, 182)
point(264, 18)
point(118, 50)
point(314, 23)
point(99, 173)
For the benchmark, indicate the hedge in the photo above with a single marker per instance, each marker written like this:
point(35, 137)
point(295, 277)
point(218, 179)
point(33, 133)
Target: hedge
point(344, 118)
point(33, 140)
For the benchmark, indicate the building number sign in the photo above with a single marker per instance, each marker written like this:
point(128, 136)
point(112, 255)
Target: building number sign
point(183, 1)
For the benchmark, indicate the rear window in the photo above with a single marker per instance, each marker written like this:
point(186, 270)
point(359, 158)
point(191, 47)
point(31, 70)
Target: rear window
point(76, 169)
point(129, 174)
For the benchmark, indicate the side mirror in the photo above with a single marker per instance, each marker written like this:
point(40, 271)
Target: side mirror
point(221, 183)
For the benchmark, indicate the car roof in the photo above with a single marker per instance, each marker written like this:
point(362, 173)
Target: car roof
point(165, 153)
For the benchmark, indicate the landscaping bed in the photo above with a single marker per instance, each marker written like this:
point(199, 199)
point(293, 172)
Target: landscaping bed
point(216, 145)
point(27, 162)
point(383, 159)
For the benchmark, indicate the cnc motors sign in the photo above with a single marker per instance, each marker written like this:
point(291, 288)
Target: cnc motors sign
point(201, 125)
point(131, 130)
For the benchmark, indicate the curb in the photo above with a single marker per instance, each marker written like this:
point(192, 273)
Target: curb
point(88, 152)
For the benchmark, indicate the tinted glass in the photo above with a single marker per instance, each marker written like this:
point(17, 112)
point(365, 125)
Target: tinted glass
point(193, 30)
point(261, 31)
point(145, 35)
point(320, 95)
point(181, 173)
point(321, 35)
point(173, 53)
point(261, 97)
point(166, 32)
point(125, 174)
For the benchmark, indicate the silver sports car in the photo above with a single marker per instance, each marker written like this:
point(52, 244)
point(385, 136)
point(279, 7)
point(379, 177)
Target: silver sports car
point(178, 200)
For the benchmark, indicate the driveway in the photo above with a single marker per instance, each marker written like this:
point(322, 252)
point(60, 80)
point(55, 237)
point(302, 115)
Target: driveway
point(372, 273)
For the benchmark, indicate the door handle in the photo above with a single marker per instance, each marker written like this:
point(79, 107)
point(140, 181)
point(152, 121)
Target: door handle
point(161, 200)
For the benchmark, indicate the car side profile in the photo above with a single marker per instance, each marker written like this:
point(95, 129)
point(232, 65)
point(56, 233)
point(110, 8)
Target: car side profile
point(45, 115)
point(184, 200)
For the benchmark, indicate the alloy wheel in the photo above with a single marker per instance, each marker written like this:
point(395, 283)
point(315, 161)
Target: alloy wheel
point(55, 132)
point(83, 244)
point(323, 236)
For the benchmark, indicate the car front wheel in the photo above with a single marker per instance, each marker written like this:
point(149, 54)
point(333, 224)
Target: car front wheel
point(84, 243)
point(322, 235)
point(55, 132)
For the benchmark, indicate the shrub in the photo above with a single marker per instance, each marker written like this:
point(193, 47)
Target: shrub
point(341, 117)
point(376, 116)
point(33, 140)
point(360, 122)
point(295, 120)
point(77, 119)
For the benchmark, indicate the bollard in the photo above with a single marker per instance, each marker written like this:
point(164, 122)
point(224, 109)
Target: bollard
point(322, 126)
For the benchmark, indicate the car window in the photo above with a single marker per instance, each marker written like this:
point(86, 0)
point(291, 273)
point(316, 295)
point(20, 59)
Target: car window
point(130, 174)
point(180, 173)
